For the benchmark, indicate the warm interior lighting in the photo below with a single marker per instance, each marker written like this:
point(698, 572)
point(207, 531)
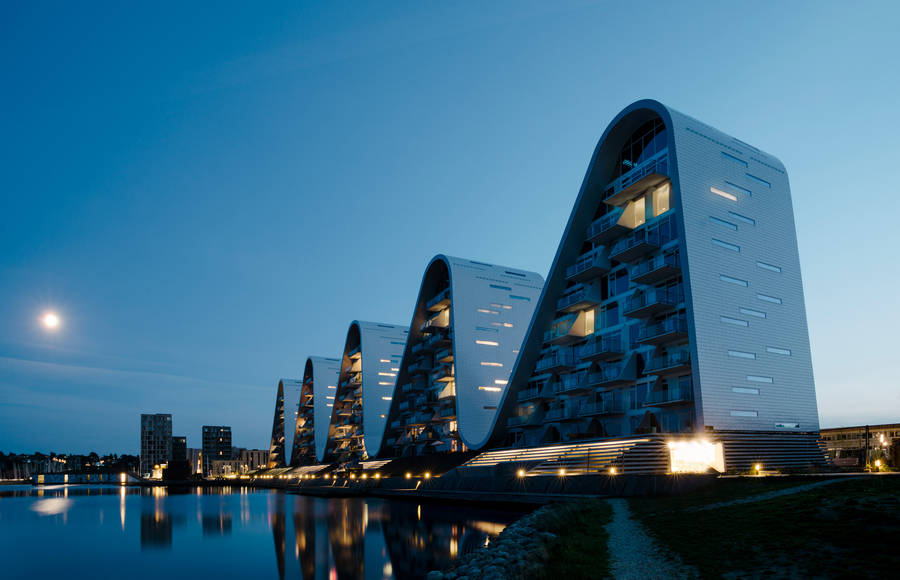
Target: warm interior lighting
point(385, 383)
point(695, 456)
point(500, 381)
point(385, 398)
point(491, 364)
point(491, 389)
point(724, 194)
point(487, 342)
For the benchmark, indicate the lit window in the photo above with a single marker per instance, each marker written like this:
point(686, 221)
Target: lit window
point(387, 374)
point(500, 381)
point(487, 311)
point(724, 194)
point(385, 383)
point(490, 389)
point(385, 398)
point(640, 211)
point(661, 199)
point(487, 342)
point(491, 364)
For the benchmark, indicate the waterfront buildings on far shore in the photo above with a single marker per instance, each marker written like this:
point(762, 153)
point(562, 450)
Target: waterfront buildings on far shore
point(216, 445)
point(243, 461)
point(156, 441)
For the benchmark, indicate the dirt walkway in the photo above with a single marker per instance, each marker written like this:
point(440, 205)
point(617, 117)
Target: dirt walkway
point(634, 554)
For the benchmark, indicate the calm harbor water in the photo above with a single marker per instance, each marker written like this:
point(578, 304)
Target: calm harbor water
point(100, 531)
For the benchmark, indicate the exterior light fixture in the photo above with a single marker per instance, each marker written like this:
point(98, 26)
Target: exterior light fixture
point(364, 476)
point(612, 471)
point(562, 472)
point(757, 468)
point(427, 475)
point(408, 475)
point(521, 473)
point(352, 476)
point(878, 464)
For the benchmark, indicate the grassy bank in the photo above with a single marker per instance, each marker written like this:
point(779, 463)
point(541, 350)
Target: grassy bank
point(844, 529)
point(579, 551)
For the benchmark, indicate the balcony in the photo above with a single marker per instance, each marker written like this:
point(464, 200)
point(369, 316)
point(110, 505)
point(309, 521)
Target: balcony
point(675, 362)
point(581, 297)
point(518, 420)
point(611, 407)
point(448, 412)
point(669, 330)
point(611, 375)
point(354, 353)
point(675, 396)
point(650, 303)
point(442, 374)
point(571, 384)
point(657, 269)
point(419, 367)
point(534, 393)
point(437, 322)
point(556, 360)
point(606, 228)
point(559, 414)
point(439, 302)
point(650, 173)
point(588, 266)
point(566, 330)
point(602, 348)
point(636, 245)
point(444, 355)
point(403, 406)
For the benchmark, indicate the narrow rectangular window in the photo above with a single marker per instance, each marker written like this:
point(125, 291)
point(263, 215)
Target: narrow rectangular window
point(498, 287)
point(759, 180)
point(723, 223)
point(767, 298)
point(787, 425)
point(743, 190)
point(751, 312)
point(726, 245)
point(525, 298)
point(730, 157)
point(744, 414)
point(661, 199)
point(742, 354)
point(731, 280)
point(745, 390)
point(776, 350)
point(724, 194)
point(742, 218)
point(734, 321)
point(769, 267)
point(759, 379)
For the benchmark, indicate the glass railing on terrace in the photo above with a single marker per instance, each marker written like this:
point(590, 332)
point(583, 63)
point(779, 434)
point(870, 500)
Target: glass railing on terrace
point(556, 413)
point(670, 325)
point(671, 296)
point(600, 345)
point(570, 382)
point(585, 262)
point(445, 293)
point(603, 223)
point(563, 357)
point(614, 406)
point(517, 420)
point(635, 239)
point(667, 361)
point(671, 260)
point(561, 327)
point(673, 395)
point(659, 163)
point(605, 374)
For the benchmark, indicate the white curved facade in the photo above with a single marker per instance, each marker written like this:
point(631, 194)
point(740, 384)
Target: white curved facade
point(320, 379)
point(286, 399)
point(467, 328)
point(368, 374)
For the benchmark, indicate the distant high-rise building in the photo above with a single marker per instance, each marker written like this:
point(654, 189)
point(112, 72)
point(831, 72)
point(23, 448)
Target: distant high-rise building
point(156, 440)
point(216, 444)
point(179, 448)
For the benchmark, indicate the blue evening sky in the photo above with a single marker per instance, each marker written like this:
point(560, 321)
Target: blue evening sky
point(207, 195)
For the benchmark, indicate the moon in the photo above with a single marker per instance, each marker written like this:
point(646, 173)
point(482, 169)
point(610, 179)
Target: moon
point(50, 320)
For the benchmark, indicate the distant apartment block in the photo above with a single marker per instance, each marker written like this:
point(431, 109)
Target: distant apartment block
point(179, 448)
point(216, 445)
point(862, 445)
point(156, 441)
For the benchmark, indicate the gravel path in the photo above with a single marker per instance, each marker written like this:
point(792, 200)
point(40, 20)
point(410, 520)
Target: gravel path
point(768, 495)
point(634, 554)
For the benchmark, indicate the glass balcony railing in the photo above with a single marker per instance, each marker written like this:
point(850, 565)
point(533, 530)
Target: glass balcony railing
point(600, 346)
point(560, 328)
point(583, 294)
point(571, 382)
point(434, 302)
point(635, 244)
point(658, 164)
point(606, 374)
point(655, 265)
point(659, 297)
point(517, 420)
point(593, 260)
point(612, 407)
point(670, 360)
point(677, 394)
point(555, 359)
point(604, 224)
point(676, 325)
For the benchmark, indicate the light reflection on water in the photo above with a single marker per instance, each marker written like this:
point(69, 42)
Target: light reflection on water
point(230, 531)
